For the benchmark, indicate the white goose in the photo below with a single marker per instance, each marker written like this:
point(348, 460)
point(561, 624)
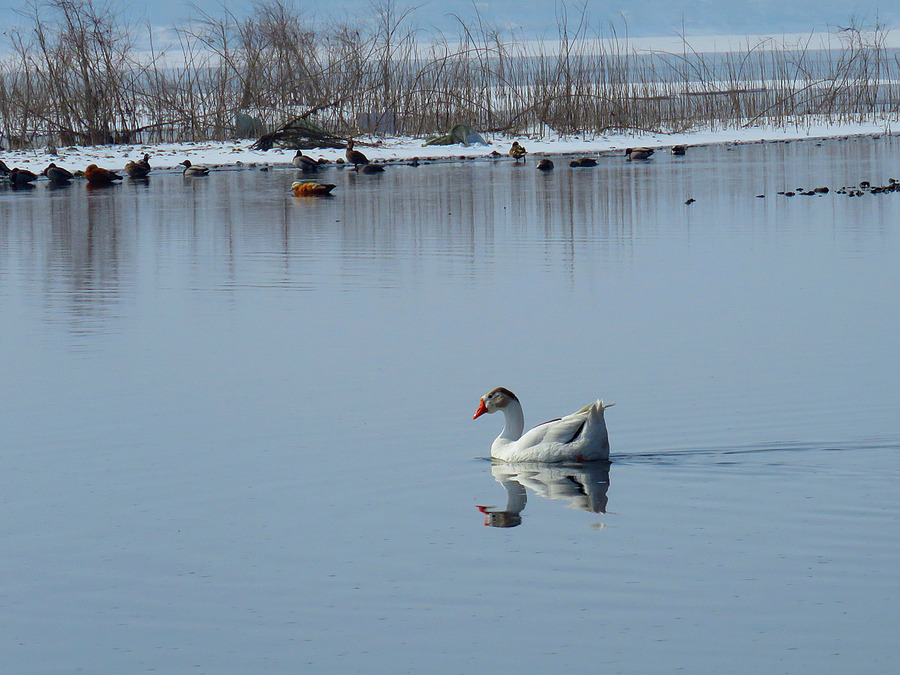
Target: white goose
point(579, 437)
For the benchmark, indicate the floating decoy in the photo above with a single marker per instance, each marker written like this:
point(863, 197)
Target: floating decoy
point(57, 175)
point(372, 168)
point(690, 201)
point(144, 162)
point(137, 170)
point(517, 152)
point(4, 170)
point(587, 162)
point(193, 170)
point(579, 437)
point(311, 189)
point(304, 163)
point(21, 177)
point(678, 150)
point(545, 165)
point(97, 176)
point(638, 153)
point(355, 157)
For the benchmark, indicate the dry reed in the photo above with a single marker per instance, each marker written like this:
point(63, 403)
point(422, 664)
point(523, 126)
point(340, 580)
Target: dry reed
point(73, 75)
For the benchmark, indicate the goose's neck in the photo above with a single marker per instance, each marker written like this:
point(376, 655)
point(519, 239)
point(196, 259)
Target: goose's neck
point(515, 422)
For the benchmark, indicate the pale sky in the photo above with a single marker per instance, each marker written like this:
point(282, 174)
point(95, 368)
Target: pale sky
point(538, 17)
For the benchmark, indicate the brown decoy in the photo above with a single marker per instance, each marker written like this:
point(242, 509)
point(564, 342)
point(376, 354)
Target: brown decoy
point(137, 169)
point(355, 157)
point(517, 152)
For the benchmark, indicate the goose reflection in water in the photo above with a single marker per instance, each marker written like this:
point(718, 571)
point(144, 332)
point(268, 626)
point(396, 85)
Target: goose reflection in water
point(584, 486)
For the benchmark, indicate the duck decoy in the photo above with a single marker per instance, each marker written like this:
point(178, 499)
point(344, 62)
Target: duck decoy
point(144, 162)
point(372, 168)
point(97, 176)
point(4, 170)
point(355, 157)
point(21, 177)
point(679, 150)
point(305, 163)
point(311, 188)
point(193, 170)
point(579, 437)
point(545, 165)
point(587, 162)
point(137, 170)
point(638, 153)
point(517, 152)
point(57, 175)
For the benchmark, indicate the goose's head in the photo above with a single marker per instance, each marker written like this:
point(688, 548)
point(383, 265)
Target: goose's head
point(496, 400)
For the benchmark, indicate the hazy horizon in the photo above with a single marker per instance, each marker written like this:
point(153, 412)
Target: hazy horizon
point(637, 18)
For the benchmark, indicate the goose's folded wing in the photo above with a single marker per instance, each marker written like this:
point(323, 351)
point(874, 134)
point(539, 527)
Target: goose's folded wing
point(555, 431)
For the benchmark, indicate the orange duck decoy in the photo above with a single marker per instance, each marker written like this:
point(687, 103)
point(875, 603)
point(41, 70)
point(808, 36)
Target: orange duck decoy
point(97, 176)
point(311, 189)
point(355, 157)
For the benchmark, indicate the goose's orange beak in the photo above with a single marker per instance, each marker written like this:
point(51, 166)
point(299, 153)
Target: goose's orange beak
point(481, 410)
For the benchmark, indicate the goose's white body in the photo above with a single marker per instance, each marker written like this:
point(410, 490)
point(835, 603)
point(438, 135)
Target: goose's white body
point(579, 437)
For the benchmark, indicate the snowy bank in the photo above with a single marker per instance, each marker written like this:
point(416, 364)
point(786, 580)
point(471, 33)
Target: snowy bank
point(239, 153)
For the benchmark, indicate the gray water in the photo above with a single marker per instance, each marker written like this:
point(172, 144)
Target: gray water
point(237, 427)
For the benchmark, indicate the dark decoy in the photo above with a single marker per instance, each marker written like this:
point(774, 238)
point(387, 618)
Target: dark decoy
point(638, 153)
point(4, 170)
point(193, 170)
point(304, 163)
point(587, 162)
point(57, 175)
point(372, 168)
point(144, 162)
point(545, 165)
point(21, 177)
point(97, 176)
point(517, 152)
point(355, 157)
point(678, 150)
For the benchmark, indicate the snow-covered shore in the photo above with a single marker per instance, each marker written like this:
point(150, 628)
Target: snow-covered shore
point(239, 153)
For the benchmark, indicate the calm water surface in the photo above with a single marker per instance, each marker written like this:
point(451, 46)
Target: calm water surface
point(237, 436)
